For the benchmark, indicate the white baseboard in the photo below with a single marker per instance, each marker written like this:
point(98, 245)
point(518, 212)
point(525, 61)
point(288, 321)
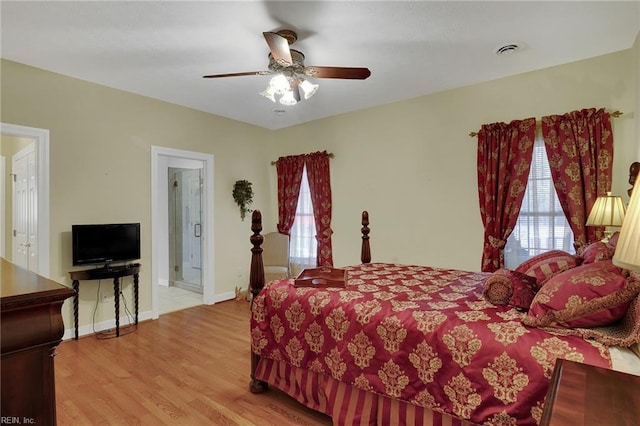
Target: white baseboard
point(69, 333)
point(222, 297)
point(83, 330)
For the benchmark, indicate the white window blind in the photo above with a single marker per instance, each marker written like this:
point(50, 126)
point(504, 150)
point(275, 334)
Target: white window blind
point(303, 245)
point(541, 224)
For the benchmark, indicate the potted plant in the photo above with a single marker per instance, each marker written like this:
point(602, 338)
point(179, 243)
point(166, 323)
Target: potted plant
point(243, 196)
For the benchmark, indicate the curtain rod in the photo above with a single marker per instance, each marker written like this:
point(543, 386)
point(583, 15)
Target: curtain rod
point(273, 163)
point(614, 114)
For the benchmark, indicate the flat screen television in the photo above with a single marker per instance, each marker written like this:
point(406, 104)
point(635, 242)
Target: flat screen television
point(105, 243)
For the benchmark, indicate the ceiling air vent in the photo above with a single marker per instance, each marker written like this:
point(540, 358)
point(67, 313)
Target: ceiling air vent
point(507, 49)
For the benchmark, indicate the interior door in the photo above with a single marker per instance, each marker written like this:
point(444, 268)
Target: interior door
point(25, 209)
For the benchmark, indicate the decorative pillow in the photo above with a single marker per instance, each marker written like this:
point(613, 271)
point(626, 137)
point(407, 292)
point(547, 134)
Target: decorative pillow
point(548, 266)
point(625, 332)
point(590, 295)
point(506, 287)
point(527, 264)
point(596, 252)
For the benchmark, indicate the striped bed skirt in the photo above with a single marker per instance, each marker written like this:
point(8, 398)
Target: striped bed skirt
point(345, 404)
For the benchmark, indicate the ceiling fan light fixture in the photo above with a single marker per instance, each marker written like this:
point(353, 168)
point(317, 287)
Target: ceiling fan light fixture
point(280, 84)
point(268, 93)
point(288, 99)
point(283, 86)
point(309, 89)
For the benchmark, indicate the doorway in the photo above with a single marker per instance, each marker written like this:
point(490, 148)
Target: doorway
point(164, 162)
point(39, 140)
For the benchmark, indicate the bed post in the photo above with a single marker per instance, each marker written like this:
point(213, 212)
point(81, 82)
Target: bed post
point(256, 274)
point(365, 253)
point(256, 283)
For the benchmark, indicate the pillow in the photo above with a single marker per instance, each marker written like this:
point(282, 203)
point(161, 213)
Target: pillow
point(591, 295)
point(506, 287)
point(524, 266)
point(554, 262)
point(596, 252)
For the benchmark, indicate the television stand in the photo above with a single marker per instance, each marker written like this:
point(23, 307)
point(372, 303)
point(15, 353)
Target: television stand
point(107, 272)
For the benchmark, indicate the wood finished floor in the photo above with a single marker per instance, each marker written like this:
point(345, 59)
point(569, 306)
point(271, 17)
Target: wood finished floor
point(189, 367)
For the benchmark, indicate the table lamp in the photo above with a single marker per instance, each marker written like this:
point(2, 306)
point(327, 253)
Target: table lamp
point(627, 254)
point(608, 210)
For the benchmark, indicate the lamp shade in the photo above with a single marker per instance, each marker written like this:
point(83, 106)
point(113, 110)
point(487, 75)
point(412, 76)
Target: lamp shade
point(308, 88)
point(288, 98)
point(608, 210)
point(627, 254)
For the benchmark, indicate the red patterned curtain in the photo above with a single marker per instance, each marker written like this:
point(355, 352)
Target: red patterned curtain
point(289, 177)
point(504, 158)
point(580, 150)
point(320, 187)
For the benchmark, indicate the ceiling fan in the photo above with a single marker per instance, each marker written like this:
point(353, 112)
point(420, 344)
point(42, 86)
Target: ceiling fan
point(287, 66)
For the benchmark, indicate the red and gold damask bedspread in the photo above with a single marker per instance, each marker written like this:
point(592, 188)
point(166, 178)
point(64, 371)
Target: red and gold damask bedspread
point(419, 334)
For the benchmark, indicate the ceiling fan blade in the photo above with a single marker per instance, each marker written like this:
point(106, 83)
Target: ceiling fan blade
point(237, 74)
point(279, 47)
point(337, 72)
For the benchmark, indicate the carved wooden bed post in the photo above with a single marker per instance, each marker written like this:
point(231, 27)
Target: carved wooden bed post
point(256, 274)
point(256, 283)
point(365, 252)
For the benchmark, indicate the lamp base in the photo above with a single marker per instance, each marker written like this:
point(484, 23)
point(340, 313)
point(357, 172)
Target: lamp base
point(607, 236)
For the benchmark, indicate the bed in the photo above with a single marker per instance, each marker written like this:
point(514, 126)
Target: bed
point(410, 344)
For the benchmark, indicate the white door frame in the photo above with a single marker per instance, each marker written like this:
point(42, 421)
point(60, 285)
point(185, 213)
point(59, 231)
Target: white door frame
point(159, 220)
point(41, 140)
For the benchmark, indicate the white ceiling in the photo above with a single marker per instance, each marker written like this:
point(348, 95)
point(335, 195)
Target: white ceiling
point(162, 49)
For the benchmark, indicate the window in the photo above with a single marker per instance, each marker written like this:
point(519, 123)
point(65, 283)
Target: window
point(303, 244)
point(541, 225)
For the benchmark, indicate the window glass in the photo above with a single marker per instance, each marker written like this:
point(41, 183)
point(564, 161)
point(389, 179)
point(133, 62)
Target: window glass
point(542, 225)
point(303, 244)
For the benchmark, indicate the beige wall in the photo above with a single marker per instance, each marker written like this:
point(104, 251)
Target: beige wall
point(411, 163)
point(100, 143)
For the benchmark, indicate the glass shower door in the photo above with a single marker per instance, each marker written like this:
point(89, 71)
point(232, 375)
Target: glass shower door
point(185, 228)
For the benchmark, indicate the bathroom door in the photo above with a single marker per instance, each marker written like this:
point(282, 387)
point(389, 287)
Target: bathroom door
point(185, 228)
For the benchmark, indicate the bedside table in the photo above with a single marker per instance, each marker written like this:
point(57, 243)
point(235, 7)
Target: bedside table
point(580, 394)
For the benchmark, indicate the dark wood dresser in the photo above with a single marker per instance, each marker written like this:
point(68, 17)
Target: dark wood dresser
point(582, 394)
point(31, 326)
